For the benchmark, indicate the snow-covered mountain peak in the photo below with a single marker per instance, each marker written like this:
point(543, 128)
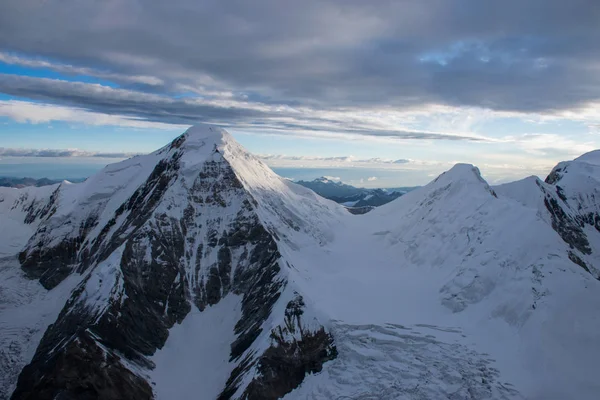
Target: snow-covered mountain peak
point(201, 143)
point(461, 179)
point(198, 144)
point(206, 133)
point(578, 181)
point(157, 237)
point(461, 173)
point(325, 179)
point(284, 207)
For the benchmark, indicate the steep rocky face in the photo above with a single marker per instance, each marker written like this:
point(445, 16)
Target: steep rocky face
point(51, 261)
point(569, 228)
point(186, 237)
point(295, 353)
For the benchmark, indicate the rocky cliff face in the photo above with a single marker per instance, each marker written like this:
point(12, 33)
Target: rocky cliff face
point(187, 236)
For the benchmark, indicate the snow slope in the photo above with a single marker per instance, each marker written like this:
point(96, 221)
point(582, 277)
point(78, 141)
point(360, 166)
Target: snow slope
point(202, 339)
point(474, 287)
point(26, 311)
point(201, 274)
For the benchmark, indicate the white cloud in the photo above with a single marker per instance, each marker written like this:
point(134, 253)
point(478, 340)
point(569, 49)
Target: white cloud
point(282, 160)
point(380, 124)
point(545, 144)
point(36, 113)
point(63, 153)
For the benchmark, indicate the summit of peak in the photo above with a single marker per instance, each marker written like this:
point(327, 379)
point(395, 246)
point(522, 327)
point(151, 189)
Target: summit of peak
point(206, 133)
point(325, 179)
point(465, 175)
point(461, 172)
point(201, 139)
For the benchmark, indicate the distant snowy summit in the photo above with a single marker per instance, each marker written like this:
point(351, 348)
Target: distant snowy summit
point(197, 272)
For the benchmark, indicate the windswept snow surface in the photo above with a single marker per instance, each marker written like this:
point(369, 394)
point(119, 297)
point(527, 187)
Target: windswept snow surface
point(194, 363)
point(455, 290)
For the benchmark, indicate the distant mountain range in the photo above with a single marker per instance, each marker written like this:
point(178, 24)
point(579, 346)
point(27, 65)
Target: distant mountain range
point(356, 199)
point(24, 182)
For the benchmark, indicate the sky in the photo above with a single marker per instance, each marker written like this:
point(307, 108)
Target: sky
point(386, 93)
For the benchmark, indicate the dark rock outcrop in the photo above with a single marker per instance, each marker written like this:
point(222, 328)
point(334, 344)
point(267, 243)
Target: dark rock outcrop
point(52, 262)
point(83, 377)
point(295, 352)
point(569, 228)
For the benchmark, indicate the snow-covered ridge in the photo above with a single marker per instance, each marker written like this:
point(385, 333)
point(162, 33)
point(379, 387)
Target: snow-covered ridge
point(454, 290)
point(20, 214)
point(592, 157)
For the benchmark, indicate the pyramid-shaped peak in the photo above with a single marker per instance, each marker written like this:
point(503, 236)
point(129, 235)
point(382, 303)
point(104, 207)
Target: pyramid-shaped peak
point(464, 175)
point(462, 172)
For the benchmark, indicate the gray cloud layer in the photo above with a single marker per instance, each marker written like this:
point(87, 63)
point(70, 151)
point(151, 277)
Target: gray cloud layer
point(51, 153)
point(515, 55)
point(158, 108)
point(68, 153)
point(339, 159)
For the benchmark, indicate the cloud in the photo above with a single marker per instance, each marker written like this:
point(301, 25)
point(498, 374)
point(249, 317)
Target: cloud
point(341, 161)
point(81, 71)
point(63, 153)
point(514, 55)
point(97, 104)
point(135, 104)
point(271, 159)
point(23, 111)
point(551, 145)
point(498, 169)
